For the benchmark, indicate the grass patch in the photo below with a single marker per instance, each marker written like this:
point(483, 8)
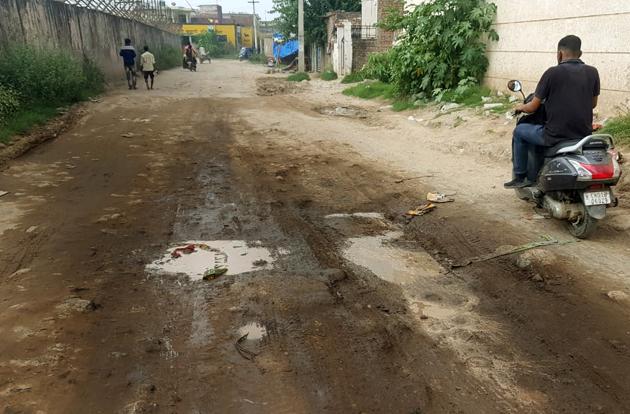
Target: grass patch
point(25, 120)
point(619, 128)
point(400, 105)
point(328, 75)
point(353, 78)
point(471, 96)
point(371, 90)
point(299, 77)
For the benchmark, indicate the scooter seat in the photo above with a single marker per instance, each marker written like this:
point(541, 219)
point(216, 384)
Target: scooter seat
point(551, 151)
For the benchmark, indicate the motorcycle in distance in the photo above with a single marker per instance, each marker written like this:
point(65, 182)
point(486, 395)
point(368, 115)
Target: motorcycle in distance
point(572, 180)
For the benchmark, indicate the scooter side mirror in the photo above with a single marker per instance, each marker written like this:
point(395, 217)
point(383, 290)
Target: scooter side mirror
point(515, 86)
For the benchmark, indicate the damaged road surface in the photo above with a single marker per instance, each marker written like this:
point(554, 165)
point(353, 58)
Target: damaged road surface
point(199, 255)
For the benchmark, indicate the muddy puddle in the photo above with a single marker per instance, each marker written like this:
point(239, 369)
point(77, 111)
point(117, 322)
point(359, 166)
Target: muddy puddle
point(443, 306)
point(391, 263)
point(211, 258)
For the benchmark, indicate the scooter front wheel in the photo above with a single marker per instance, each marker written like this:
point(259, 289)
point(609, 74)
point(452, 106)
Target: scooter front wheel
point(583, 226)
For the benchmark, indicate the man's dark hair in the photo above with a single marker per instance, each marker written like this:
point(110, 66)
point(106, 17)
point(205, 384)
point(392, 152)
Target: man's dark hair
point(571, 44)
point(146, 48)
point(127, 42)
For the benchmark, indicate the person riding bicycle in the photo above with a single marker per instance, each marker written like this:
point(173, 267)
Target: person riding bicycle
point(128, 54)
point(570, 91)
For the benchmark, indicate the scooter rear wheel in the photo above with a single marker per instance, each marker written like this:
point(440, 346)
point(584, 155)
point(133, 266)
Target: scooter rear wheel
point(583, 226)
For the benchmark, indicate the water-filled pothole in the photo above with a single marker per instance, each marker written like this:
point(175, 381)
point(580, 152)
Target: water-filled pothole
point(196, 258)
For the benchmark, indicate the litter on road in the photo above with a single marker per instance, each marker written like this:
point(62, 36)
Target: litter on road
point(439, 198)
point(421, 210)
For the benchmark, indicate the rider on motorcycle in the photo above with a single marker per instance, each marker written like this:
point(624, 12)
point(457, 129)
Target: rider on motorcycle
point(569, 91)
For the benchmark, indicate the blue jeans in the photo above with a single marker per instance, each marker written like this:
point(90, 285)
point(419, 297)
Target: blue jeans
point(525, 135)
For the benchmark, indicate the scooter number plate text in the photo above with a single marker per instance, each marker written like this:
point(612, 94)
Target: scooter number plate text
point(597, 198)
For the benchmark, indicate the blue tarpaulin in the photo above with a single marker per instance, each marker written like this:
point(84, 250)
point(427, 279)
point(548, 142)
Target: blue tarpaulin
point(283, 48)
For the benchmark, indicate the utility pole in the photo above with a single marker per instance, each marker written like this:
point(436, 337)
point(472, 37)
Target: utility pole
point(253, 2)
point(301, 66)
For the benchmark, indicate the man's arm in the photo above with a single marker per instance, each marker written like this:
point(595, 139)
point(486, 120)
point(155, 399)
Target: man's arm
point(529, 108)
point(595, 99)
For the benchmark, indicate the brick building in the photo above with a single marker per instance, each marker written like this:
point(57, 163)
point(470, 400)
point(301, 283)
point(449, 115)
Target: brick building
point(348, 48)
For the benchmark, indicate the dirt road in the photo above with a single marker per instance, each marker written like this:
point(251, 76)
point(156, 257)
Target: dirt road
point(332, 301)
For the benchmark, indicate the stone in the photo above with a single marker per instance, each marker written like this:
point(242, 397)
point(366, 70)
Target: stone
point(536, 257)
point(618, 296)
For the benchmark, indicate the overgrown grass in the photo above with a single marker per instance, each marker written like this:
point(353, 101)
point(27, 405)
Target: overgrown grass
point(619, 128)
point(371, 90)
point(47, 79)
point(299, 77)
point(25, 120)
point(354, 77)
point(167, 57)
point(328, 75)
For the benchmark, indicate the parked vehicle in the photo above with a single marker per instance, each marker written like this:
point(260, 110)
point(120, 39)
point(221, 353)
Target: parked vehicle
point(245, 53)
point(574, 179)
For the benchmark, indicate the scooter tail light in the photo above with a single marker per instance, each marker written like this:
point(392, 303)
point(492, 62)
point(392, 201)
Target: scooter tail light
point(596, 171)
point(583, 173)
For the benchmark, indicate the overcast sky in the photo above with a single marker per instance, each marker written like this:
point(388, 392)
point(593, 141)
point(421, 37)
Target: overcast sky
point(263, 7)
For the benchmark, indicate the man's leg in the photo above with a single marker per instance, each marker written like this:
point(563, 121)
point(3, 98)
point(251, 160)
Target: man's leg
point(524, 136)
point(152, 76)
point(128, 75)
point(146, 79)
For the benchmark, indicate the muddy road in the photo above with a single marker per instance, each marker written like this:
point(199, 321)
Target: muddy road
point(332, 301)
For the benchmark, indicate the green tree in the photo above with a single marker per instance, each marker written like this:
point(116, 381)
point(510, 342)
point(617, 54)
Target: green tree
point(214, 47)
point(442, 45)
point(314, 11)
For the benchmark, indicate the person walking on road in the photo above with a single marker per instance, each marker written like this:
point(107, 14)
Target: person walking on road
point(147, 63)
point(128, 54)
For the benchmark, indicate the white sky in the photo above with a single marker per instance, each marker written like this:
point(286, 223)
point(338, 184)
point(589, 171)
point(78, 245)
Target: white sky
point(262, 9)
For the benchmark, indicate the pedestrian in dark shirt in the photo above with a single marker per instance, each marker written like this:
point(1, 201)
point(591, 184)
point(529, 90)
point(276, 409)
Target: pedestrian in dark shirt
point(128, 54)
point(570, 92)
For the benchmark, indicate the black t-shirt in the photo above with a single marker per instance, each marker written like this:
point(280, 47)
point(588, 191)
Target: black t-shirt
point(568, 90)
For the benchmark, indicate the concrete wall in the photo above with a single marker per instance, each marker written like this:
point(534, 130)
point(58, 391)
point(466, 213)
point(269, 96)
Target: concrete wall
point(99, 36)
point(529, 33)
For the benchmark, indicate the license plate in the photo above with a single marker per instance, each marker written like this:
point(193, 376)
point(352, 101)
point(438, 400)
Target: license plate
point(597, 198)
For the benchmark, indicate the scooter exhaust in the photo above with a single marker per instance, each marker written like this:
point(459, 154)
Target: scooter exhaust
point(562, 211)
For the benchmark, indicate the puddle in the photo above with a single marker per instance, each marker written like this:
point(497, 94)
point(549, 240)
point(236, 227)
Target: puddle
point(253, 330)
point(388, 262)
point(235, 255)
point(375, 216)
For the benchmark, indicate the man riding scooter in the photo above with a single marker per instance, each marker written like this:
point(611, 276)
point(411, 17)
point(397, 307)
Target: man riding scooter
point(569, 92)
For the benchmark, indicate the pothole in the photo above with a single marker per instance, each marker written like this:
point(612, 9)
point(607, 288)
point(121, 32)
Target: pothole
point(343, 111)
point(211, 258)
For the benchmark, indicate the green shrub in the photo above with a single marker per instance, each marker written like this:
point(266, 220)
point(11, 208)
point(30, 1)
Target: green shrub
point(299, 77)
point(353, 77)
point(46, 79)
point(442, 43)
point(328, 75)
point(371, 90)
point(9, 103)
point(48, 76)
point(379, 67)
